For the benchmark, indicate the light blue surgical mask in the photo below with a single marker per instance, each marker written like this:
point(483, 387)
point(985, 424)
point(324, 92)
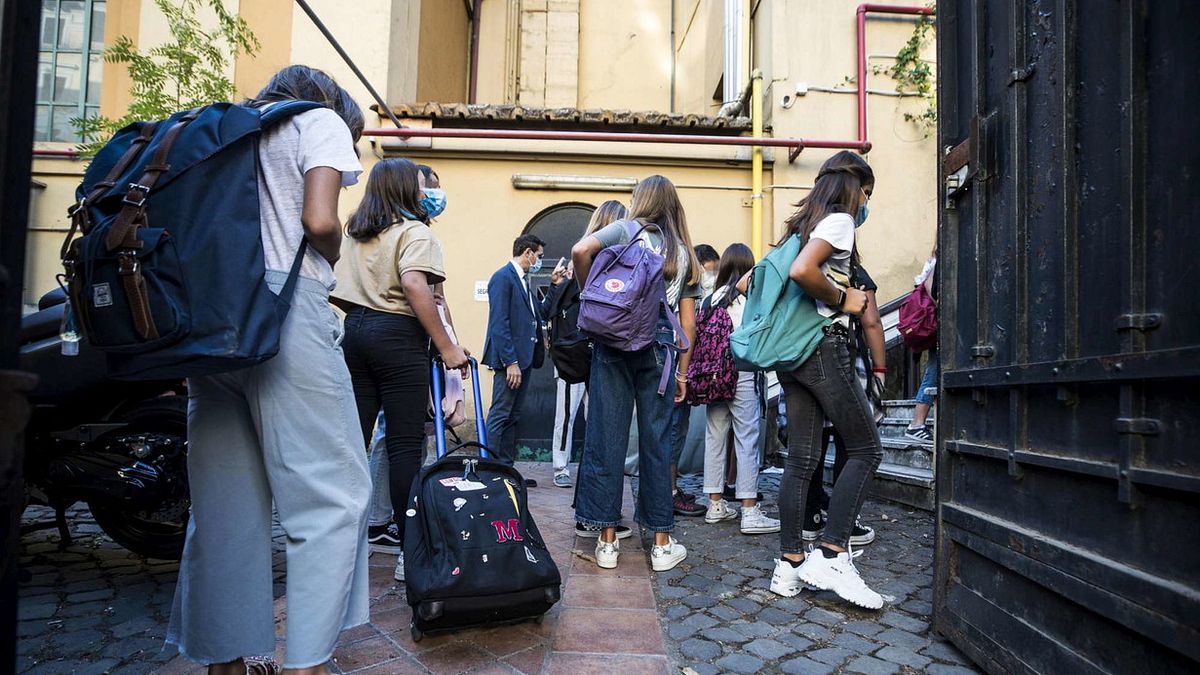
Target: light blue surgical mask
point(434, 201)
point(861, 218)
point(536, 266)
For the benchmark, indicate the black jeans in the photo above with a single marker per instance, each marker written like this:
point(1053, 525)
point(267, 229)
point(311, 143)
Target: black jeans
point(818, 499)
point(388, 358)
point(826, 386)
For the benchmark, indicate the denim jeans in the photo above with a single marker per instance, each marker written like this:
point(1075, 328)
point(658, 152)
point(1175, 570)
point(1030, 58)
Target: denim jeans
point(388, 358)
point(380, 511)
point(929, 380)
point(818, 499)
point(681, 417)
point(825, 386)
point(618, 380)
point(504, 414)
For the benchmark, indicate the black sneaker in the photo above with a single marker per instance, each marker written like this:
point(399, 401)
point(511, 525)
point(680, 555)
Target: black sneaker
point(593, 532)
point(918, 434)
point(861, 535)
point(814, 526)
point(685, 507)
point(385, 539)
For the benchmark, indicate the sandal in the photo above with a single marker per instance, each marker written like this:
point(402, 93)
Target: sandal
point(261, 666)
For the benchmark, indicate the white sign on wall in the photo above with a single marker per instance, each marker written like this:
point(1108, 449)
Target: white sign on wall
point(481, 291)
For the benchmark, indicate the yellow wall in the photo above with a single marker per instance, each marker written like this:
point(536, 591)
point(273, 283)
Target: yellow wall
point(271, 21)
point(445, 51)
point(625, 54)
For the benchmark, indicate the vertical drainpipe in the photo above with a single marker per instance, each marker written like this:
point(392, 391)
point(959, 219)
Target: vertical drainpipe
point(473, 76)
point(756, 165)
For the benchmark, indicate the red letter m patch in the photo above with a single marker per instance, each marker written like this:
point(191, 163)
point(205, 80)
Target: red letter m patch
point(507, 531)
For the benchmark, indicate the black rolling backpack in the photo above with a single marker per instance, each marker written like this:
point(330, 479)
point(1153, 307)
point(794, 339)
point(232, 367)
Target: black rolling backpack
point(472, 553)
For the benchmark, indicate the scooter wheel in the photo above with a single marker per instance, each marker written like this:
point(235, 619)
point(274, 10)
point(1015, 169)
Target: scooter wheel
point(416, 633)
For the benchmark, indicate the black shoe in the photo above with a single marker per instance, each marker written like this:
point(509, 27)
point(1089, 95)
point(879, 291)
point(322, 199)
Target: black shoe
point(813, 526)
point(685, 507)
point(385, 539)
point(529, 482)
point(861, 535)
point(593, 532)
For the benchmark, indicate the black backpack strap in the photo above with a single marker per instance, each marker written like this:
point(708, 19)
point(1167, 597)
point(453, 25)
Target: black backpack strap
point(289, 286)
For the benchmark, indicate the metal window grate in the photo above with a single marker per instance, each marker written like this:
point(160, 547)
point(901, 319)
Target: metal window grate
point(69, 66)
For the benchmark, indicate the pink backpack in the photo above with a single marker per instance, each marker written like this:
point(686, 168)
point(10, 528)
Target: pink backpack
point(918, 320)
point(712, 377)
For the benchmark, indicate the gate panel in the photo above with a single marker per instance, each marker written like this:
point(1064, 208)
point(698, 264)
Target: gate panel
point(1068, 468)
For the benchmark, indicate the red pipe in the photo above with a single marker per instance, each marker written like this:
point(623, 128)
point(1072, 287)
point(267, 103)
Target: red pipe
point(686, 139)
point(862, 53)
point(61, 154)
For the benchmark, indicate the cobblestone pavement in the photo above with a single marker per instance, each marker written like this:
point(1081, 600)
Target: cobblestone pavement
point(720, 616)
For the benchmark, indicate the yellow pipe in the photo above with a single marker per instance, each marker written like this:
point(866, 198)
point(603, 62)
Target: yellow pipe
point(756, 166)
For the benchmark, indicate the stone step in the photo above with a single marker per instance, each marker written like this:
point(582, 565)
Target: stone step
point(904, 484)
point(902, 409)
point(903, 452)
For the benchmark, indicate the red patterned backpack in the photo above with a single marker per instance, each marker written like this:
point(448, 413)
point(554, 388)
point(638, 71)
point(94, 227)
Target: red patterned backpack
point(712, 377)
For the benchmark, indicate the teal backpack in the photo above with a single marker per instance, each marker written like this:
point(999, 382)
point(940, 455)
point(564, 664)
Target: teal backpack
point(780, 325)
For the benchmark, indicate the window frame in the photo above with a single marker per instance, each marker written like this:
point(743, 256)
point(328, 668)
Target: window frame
point(79, 107)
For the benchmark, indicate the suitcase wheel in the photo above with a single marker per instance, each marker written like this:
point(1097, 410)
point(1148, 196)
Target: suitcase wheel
point(416, 633)
point(553, 594)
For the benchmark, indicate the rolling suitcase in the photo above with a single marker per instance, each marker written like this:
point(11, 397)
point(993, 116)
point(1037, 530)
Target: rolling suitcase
point(472, 553)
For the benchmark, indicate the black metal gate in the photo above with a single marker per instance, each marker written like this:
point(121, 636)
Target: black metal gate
point(1069, 436)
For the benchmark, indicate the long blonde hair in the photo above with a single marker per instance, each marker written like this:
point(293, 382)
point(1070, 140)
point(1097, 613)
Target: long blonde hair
point(604, 214)
point(656, 205)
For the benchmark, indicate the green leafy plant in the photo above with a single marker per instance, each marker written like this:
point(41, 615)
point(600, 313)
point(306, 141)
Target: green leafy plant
point(183, 73)
point(913, 75)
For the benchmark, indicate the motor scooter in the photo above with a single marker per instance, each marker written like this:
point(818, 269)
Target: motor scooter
point(119, 446)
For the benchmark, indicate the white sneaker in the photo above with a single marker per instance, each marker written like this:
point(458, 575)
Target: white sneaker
point(398, 575)
point(663, 558)
point(719, 510)
point(754, 521)
point(840, 576)
point(606, 553)
point(785, 580)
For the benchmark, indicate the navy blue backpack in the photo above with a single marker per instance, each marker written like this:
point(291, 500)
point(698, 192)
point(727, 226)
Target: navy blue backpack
point(168, 277)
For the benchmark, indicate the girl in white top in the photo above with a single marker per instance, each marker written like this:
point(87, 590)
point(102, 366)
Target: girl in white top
point(742, 413)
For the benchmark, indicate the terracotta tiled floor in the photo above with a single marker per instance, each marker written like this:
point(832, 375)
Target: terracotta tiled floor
point(605, 623)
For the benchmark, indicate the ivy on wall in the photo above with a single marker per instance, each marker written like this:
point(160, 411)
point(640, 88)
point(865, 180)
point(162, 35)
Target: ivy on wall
point(913, 75)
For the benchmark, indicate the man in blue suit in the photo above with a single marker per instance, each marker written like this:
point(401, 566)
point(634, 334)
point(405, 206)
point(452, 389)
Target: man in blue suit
point(515, 343)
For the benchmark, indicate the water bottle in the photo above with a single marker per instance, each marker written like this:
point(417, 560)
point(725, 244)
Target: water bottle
point(69, 331)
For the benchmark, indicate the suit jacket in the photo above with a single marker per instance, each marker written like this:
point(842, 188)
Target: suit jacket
point(514, 332)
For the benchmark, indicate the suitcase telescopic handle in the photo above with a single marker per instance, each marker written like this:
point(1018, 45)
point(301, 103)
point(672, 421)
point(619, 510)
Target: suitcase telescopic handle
point(439, 422)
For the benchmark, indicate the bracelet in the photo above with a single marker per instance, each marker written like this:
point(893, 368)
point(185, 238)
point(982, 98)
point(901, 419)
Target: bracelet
point(841, 299)
point(680, 378)
point(879, 370)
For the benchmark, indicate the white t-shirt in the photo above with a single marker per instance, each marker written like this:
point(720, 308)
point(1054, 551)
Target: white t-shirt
point(286, 152)
point(838, 230)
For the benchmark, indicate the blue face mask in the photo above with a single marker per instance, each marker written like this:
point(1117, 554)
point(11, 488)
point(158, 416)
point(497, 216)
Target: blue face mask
point(536, 266)
point(862, 215)
point(434, 201)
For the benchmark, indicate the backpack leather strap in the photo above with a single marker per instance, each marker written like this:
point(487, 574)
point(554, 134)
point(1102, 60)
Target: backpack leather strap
point(122, 233)
point(78, 211)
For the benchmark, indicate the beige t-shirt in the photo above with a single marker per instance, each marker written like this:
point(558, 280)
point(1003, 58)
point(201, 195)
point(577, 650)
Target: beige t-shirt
point(368, 273)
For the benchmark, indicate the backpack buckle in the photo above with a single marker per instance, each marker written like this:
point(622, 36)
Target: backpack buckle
point(143, 190)
point(128, 263)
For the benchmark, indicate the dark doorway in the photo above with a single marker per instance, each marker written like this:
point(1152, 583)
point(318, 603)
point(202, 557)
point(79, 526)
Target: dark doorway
point(560, 226)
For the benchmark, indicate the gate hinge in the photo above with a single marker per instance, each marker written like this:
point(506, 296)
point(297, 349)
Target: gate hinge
point(983, 351)
point(1021, 74)
point(1141, 322)
point(1142, 426)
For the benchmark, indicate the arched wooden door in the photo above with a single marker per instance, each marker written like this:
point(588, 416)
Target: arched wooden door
point(560, 226)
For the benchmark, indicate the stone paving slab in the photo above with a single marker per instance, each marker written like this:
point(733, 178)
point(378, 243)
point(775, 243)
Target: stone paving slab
point(721, 617)
point(95, 608)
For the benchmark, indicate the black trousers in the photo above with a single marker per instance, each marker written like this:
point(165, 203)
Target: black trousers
point(388, 358)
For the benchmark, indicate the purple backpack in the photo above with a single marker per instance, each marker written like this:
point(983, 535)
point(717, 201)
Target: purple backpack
point(712, 377)
point(624, 294)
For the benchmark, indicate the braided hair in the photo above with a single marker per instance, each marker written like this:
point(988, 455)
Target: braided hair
point(835, 190)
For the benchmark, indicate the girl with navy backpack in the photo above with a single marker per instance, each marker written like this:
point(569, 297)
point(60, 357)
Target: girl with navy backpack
point(621, 378)
point(825, 386)
point(741, 410)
